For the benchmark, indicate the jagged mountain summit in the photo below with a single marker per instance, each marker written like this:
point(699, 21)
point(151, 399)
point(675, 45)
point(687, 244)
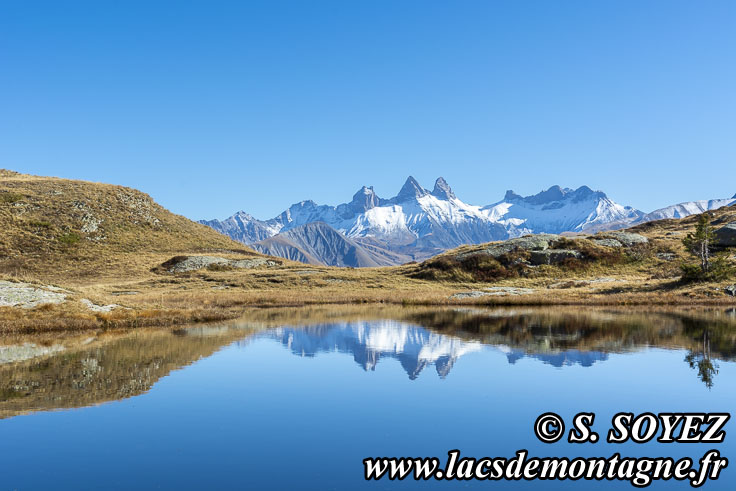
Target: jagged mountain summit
point(558, 210)
point(418, 223)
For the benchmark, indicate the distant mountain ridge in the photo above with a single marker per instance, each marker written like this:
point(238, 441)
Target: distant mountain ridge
point(681, 210)
point(418, 223)
point(318, 243)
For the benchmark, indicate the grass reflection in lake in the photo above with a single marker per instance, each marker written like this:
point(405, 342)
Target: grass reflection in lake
point(45, 373)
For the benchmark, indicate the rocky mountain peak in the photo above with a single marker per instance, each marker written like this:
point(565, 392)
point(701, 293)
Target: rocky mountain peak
point(442, 190)
point(411, 189)
point(364, 199)
point(377, 232)
point(584, 192)
point(555, 193)
point(511, 196)
point(243, 215)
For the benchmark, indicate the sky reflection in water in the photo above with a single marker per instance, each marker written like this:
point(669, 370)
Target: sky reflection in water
point(255, 416)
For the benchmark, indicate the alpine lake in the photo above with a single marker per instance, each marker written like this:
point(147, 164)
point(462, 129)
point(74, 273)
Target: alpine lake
point(293, 399)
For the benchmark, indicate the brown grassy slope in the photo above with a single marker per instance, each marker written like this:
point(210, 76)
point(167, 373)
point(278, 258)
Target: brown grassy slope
point(98, 240)
point(73, 232)
point(660, 259)
point(678, 227)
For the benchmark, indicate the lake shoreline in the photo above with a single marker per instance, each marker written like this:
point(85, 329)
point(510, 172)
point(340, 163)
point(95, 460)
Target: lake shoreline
point(172, 308)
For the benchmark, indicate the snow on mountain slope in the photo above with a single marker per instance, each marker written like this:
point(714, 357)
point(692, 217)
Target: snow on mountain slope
point(243, 228)
point(681, 210)
point(418, 223)
point(559, 210)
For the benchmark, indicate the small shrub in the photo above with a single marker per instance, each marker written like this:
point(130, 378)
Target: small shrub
point(690, 273)
point(485, 267)
point(443, 263)
point(639, 252)
point(592, 253)
point(39, 224)
point(719, 270)
point(9, 198)
point(573, 264)
point(69, 238)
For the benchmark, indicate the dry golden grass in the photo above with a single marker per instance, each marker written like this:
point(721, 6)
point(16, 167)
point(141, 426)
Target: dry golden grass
point(50, 238)
point(74, 232)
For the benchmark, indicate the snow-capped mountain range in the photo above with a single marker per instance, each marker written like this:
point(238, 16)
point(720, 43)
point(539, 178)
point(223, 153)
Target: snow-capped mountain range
point(418, 223)
point(682, 210)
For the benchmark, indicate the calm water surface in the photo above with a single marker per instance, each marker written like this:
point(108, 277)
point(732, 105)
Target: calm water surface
point(297, 399)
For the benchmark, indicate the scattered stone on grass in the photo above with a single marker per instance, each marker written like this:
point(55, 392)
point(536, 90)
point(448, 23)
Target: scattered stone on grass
point(494, 291)
point(628, 239)
point(607, 242)
point(184, 264)
point(666, 256)
point(27, 296)
point(98, 308)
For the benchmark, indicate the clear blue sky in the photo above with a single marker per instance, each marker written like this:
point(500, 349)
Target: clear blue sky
point(218, 106)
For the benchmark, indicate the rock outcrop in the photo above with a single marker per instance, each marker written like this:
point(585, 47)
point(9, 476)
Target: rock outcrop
point(726, 235)
point(28, 296)
point(184, 264)
point(553, 256)
point(539, 242)
point(628, 239)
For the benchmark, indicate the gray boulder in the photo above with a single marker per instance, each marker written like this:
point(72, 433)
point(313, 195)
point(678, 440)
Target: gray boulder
point(731, 290)
point(184, 264)
point(538, 242)
point(628, 239)
point(553, 256)
point(726, 235)
point(28, 296)
point(495, 291)
point(666, 256)
point(607, 242)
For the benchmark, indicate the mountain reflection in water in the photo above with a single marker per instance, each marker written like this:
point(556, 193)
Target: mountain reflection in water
point(51, 372)
point(415, 347)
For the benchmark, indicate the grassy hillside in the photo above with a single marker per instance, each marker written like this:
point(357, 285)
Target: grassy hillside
point(74, 231)
point(655, 261)
point(123, 260)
